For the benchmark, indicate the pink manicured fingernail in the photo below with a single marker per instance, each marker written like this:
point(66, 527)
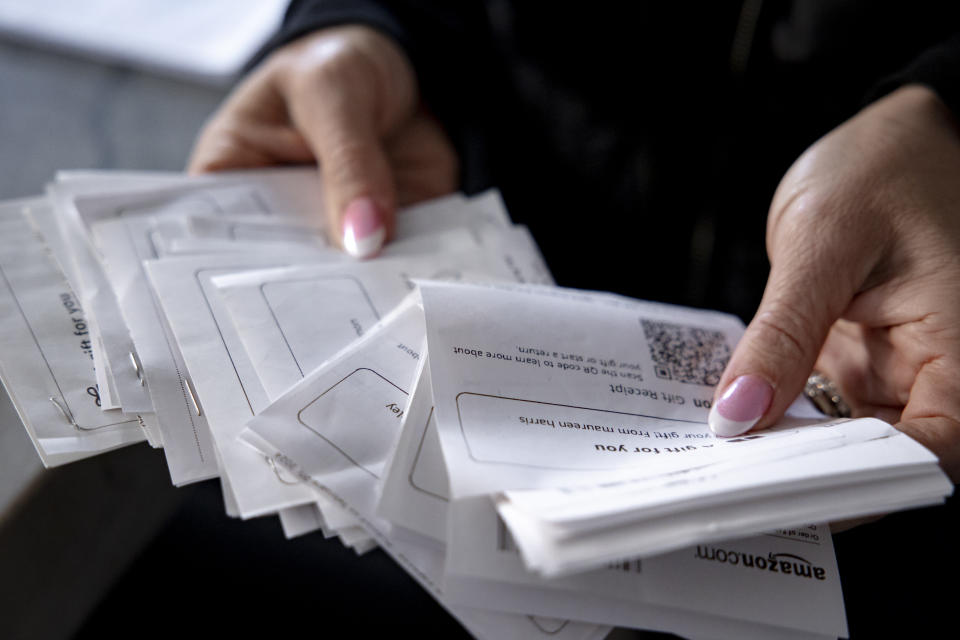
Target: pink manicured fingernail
point(741, 406)
point(363, 228)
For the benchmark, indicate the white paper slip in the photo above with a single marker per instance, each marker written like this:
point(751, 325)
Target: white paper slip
point(231, 403)
point(46, 221)
point(870, 450)
point(106, 383)
point(248, 228)
point(423, 219)
point(480, 216)
point(225, 384)
point(484, 567)
point(263, 192)
point(335, 429)
point(542, 399)
point(284, 206)
point(151, 429)
point(454, 211)
point(291, 320)
point(46, 352)
point(558, 391)
point(194, 246)
point(540, 386)
point(390, 356)
point(298, 521)
point(779, 585)
point(335, 514)
point(875, 476)
point(416, 489)
point(286, 195)
point(125, 243)
point(108, 178)
point(308, 518)
point(233, 397)
point(112, 342)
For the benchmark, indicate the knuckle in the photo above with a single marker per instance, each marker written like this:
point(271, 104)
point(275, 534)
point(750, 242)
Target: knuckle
point(341, 83)
point(800, 214)
point(332, 62)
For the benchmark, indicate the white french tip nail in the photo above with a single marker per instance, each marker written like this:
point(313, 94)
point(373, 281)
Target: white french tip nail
point(726, 427)
point(364, 247)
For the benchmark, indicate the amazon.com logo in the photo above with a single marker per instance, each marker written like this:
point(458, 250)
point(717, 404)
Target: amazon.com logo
point(785, 563)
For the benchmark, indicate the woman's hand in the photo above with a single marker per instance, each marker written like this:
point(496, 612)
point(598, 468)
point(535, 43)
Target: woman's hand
point(864, 244)
point(346, 98)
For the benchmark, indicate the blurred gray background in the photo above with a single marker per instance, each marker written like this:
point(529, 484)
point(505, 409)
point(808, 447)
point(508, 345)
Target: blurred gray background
point(68, 534)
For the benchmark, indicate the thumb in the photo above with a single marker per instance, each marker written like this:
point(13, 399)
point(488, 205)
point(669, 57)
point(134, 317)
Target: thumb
point(347, 89)
point(805, 294)
point(359, 191)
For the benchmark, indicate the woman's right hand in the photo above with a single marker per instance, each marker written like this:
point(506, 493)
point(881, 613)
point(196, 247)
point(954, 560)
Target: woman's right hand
point(347, 99)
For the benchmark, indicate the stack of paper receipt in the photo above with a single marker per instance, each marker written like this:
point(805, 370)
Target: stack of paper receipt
point(536, 457)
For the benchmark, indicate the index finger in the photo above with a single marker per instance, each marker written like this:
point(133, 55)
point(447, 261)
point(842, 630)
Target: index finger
point(932, 416)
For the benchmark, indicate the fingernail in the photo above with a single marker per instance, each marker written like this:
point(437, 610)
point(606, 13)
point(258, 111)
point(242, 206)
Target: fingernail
point(740, 406)
point(363, 228)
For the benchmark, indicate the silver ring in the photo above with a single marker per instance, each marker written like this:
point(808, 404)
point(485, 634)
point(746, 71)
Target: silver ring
point(825, 396)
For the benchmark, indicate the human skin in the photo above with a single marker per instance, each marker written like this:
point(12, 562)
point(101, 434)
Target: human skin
point(347, 99)
point(863, 237)
point(863, 233)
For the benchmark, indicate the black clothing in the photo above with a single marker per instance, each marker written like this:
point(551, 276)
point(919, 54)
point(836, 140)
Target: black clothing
point(642, 142)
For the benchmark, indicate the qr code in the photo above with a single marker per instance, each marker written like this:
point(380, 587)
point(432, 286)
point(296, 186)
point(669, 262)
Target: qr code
point(686, 354)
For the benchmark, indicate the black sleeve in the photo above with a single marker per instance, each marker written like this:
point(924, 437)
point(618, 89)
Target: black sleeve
point(448, 44)
point(937, 68)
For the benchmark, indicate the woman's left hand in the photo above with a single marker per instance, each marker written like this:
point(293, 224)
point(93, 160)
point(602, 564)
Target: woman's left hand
point(864, 243)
